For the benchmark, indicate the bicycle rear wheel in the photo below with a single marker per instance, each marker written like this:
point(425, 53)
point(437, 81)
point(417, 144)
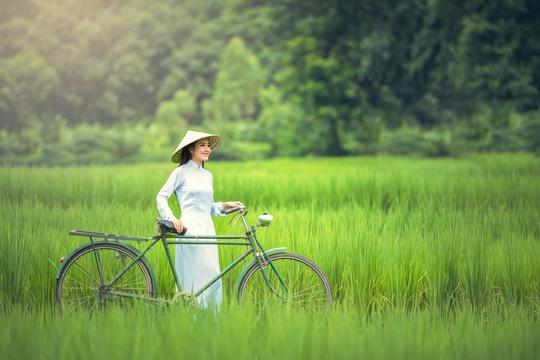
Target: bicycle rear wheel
point(302, 283)
point(83, 284)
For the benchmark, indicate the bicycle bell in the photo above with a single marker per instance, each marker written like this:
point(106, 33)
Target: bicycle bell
point(265, 219)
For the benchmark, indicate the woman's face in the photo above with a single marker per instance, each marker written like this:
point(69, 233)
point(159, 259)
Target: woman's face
point(201, 151)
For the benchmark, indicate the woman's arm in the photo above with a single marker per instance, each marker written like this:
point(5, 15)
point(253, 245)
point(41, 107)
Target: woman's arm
point(162, 198)
point(231, 204)
point(218, 208)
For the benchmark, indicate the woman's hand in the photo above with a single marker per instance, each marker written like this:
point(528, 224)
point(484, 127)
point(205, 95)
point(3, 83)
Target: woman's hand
point(178, 225)
point(232, 204)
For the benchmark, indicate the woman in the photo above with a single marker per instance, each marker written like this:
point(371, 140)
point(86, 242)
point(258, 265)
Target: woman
point(195, 265)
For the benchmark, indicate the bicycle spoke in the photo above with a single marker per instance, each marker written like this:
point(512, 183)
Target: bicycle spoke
point(77, 294)
point(117, 263)
point(76, 288)
point(306, 289)
point(123, 289)
point(79, 302)
point(131, 276)
point(82, 284)
point(86, 273)
point(304, 295)
point(310, 297)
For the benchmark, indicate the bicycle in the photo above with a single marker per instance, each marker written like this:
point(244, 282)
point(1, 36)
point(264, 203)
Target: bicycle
point(107, 270)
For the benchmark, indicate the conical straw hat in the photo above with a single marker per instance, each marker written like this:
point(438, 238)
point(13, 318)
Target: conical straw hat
point(192, 136)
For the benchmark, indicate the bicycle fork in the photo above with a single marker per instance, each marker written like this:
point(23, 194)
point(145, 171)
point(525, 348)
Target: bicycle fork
point(257, 251)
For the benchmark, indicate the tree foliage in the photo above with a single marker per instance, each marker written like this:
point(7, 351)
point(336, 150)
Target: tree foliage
point(288, 78)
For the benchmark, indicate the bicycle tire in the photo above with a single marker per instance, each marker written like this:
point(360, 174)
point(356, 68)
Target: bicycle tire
point(79, 283)
point(294, 270)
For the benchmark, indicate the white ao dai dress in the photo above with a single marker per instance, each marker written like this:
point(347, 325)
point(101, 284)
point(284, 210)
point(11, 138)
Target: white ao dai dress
point(195, 265)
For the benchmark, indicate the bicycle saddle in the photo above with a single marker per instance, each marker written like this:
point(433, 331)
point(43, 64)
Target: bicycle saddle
point(164, 226)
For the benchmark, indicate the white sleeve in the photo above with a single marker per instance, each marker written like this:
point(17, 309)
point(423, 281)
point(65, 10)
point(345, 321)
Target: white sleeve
point(217, 207)
point(162, 198)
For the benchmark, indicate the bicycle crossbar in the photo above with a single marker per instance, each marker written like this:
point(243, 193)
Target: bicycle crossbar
point(195, 242)
point(206, 237)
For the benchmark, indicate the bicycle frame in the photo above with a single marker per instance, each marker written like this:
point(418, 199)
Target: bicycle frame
point(249, 239)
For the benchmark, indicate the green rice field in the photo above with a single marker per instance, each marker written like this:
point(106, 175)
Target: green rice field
point(428, 258)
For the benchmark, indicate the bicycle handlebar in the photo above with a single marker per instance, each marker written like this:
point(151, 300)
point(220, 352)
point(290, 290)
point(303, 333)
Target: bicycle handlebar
point(236, 208)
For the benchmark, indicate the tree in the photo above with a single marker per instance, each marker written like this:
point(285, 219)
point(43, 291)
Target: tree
point(173, 115)
point(494, 61)
point(26, 83)
point(280, 124)
point(238, 81)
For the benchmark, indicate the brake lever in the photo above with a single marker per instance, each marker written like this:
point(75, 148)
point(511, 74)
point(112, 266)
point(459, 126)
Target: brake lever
point(234, 215)
point(237, 214)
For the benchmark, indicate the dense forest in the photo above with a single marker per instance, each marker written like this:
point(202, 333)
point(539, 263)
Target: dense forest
point(119, 81)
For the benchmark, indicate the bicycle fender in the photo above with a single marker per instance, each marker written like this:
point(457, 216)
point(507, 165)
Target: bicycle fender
point(279, 250)
point(126, 245)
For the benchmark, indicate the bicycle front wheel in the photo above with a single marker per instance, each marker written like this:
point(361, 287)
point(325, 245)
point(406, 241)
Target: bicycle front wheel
point(83, 282)
point(298, 281)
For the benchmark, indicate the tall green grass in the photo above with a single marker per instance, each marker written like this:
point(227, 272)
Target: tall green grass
point(431, 255)
point(389, 232)
point(273, 333)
